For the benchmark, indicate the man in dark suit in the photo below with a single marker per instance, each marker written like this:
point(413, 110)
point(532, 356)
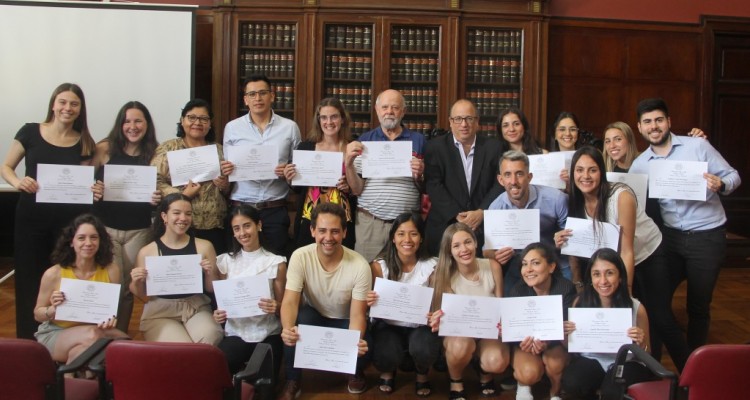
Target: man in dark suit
point(460, 176)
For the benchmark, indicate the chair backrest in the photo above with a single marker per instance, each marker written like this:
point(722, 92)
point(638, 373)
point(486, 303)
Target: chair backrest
point(27, 371)
point(717, 371)
point(151, 370)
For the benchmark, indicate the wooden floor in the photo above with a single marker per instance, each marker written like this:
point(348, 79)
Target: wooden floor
point(730, 324)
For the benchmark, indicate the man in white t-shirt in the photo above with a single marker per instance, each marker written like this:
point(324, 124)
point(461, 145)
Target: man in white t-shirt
point(334, 281)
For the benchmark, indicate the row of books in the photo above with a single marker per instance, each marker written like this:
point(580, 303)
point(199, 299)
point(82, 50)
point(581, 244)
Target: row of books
point(491, 101)
point(355, 97)
point(415, 68)
point(268, 35)
point(420, 99)
point(274, 63)
point(494, 41)
point(360, 126)
point(488, 130)
point(284, 95)
point(493, 69)
point(348, 66)
point(349, 37)
point(415, 39)
point(422, 126)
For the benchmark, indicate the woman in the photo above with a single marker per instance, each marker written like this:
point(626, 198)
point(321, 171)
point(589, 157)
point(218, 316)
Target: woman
point(593, 197)
point(181, 317)
point(564, 132)
point(247, 258)
point(604, 286)
point(84, 252)
point(132, 141)
point(458, 271)
point(331, 132)
point(63, 138)
point(533, 358)
point(619, 147)
point(405, 260)
point(512, 128)
point(208, 198)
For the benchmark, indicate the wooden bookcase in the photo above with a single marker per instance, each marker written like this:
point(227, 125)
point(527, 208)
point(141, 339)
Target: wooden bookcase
point(433, 51)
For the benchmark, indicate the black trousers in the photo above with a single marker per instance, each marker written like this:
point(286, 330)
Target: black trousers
point(391, 344)
point(238, 352)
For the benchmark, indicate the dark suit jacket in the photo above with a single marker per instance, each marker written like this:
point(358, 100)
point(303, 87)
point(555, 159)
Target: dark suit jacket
point(445, 183)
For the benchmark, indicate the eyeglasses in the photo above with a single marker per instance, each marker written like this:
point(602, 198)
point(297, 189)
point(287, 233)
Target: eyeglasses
point(460, 120)
point(194, 118)
point(261, 93)
point(332, 118)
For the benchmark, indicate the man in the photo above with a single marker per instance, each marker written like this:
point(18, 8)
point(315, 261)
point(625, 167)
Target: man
point(459, 176)
point(381, 200)
point(261, 126)
point(334, 281)
point(520, 194)
point(694, 236)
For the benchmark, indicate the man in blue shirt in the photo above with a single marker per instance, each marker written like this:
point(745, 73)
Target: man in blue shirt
point(694, 236)
point(520, 194)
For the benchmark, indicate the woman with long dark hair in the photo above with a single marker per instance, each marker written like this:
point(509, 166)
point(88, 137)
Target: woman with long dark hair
point(514, 133)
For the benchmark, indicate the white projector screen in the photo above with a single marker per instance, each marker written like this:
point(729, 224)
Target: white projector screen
point(115, 52)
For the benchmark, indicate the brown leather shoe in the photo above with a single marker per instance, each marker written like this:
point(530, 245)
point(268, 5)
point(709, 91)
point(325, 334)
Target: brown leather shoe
point(357, 383)
point(291, 391)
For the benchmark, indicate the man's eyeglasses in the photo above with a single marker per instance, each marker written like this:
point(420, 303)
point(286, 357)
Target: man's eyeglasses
point(460, 120)
point(194, 118)
point(261, 93)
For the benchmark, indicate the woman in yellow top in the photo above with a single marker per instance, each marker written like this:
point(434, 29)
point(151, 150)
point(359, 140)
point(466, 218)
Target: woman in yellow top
point(83, 251)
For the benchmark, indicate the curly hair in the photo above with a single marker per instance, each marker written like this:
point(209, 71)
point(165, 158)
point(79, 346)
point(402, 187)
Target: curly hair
point(64, 254)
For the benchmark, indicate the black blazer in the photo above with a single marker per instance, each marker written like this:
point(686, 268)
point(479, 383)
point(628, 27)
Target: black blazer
point(445, 183)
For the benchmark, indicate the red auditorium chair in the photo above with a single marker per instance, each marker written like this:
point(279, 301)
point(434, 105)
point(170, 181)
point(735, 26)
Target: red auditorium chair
point(27, 372)
point(137, 370)
point(712, 372)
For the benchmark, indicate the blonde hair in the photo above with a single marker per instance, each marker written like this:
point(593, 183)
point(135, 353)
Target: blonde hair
point(446, 266)
point(632, 151)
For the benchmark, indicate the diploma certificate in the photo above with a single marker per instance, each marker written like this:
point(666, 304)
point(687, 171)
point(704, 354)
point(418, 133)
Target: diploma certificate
point(239, 297)
point(470, 316)
point(252, 162)
point(679, 180)
point(599, 330)
point(69, 184)
point(88, 301)
point(584, 241)
point(326, 349)
point(540, 317)
point(174, 275)
point(401, 302)
point(317, 168)
point(637, 182)
point(197, 164)
point(386, 159)
point(546, 169)
point(133, 183)
point(514, 228)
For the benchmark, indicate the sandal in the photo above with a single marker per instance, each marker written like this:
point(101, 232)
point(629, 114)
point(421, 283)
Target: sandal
point(488, 389)
point(387, 385)
point(457, 394)
point(422, 389)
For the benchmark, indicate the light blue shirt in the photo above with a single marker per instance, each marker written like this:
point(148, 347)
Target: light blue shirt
point(281, 132)
point(466, 159)
point(686, 215)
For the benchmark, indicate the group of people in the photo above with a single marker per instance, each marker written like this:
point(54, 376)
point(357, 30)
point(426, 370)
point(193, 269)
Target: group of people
point(426, 230)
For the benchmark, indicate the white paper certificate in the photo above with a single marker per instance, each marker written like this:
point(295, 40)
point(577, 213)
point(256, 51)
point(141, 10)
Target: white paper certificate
point(134, 183)
point(546, 169)
point(88, 301)
point(584, 241)
point(469, 316)
point(197, 164)
point(386, 159)
point(239, 297)
point(317, 168)
point(679, 180)
point(514, 228)
point(326, 349)
point(401, 302)
point(599, 330)
point(252, 162)
point(637, 182)
point(69, 184)
point(174, 275)
point(540, 317)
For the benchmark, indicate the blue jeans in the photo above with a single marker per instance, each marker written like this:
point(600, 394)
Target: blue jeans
point(310, 316)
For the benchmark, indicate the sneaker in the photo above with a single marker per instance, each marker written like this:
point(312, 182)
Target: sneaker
point(555, 398)
point(523, 392)
point(291, 391)
point(357, 383)
point(508, 383)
